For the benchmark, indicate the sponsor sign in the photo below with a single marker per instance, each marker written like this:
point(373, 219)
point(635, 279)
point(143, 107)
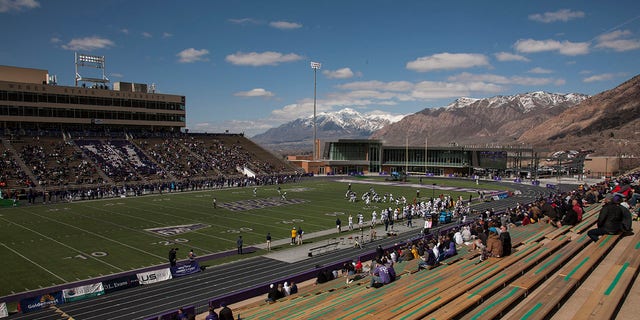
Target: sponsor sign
point(83, 292)
point(3, 310)
point(154, 276)
point(175, 230)
point(121, 283)
point(41, 301)
point(185, 269)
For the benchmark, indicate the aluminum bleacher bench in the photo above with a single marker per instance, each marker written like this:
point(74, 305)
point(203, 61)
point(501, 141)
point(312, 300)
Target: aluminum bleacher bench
point(548, 298)
point(605, 300)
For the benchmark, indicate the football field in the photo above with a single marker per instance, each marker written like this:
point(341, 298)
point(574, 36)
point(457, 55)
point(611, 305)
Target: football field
point(46, 245)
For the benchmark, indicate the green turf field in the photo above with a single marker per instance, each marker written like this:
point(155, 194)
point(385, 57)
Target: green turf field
point(45, 245)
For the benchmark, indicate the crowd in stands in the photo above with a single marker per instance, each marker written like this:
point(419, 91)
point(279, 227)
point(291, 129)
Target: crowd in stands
point(57, 163)
point(10, 171)
point(120, 160)
point(97, 164)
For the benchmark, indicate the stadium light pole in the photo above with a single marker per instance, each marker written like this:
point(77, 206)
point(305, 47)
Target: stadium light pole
point(315, 66)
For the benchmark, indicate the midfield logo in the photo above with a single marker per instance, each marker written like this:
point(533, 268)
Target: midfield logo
point(175, 230)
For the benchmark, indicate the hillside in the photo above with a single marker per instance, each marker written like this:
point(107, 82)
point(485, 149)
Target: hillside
point(608, 123)
point(466, 121)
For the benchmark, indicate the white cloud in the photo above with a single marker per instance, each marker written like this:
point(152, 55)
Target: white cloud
point(257, 92)
point(167, 35)
point(147, 35)
point(428, 90)
point(507, 56)
point(612, 41)
point(244, 21)
point(124, 30)
point(560, 82)
point(563, 15)
point(55, 40)
point(88, 44)
point(567, 48)
point(284, 25)
point(501, 80)
point(539, 70)
point(192, 55)
point(248, 127)
point(603, 77)
point(447, 61)
point(256, 59)
point(344, 73)
point(17, 5)
point(378, 85)
point(613, 35)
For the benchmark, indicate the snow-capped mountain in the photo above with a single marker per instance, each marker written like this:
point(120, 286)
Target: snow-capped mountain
point(499, 119)
point(343, 124)
point(525, 101)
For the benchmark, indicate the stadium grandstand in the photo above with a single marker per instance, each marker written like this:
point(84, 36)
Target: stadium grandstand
point(63, 141)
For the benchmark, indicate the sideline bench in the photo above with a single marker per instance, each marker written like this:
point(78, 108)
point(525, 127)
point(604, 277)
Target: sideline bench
point(331, 246)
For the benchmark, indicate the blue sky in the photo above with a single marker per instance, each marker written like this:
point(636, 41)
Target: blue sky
point(244, 65)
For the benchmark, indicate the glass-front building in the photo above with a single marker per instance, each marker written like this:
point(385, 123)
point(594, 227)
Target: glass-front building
point(348, 156)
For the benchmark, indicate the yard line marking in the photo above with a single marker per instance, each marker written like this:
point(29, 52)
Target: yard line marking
point(33, 262)
point(99, 236)
point(147, 220)
point(64, 245)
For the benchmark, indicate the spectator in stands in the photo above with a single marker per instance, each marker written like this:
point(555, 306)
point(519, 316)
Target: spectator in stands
point(494, 246)
point(526, 220)
point(627, 230)
point(225, 313)
point(281, 291)
point(324, 275)
point(212, 314)
point(505, 238)
point(348, 271)
point(571, 216)
point(273, 294)
point(481, 239)
point(428, 260)
point(294, 288)
point(182, 315)
point(447, 248)
point(359, 266)
point(406, 254)
point(548, 211)
point(379, 276)
point(609, 219)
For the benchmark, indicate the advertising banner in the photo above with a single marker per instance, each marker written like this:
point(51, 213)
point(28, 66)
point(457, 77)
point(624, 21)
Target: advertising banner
point(3, 310)
point(83, 292)
point(185, 269)
point(41, 301)
point(154, 276)
point(120, 283)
